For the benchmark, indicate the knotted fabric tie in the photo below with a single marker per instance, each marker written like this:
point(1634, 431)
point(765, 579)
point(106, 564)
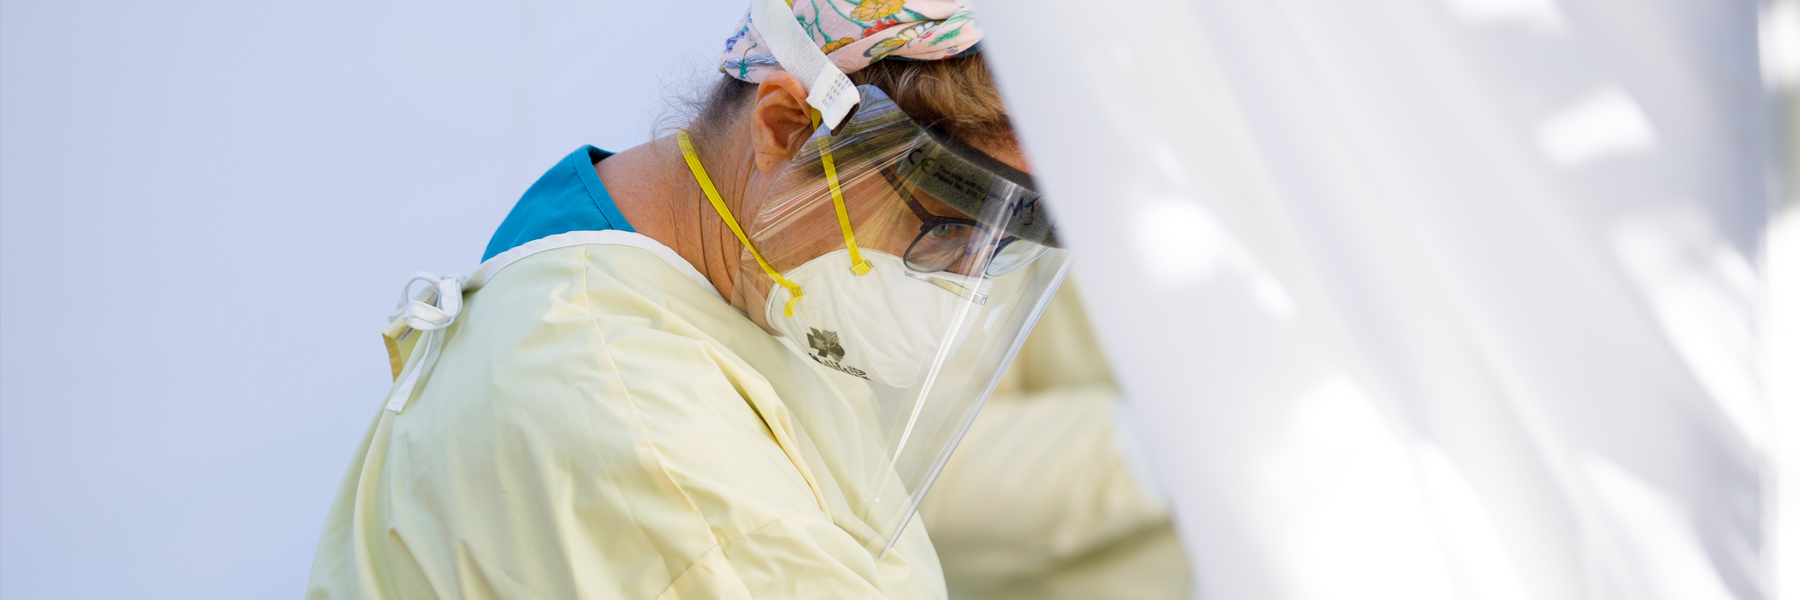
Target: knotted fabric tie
point(435, 307)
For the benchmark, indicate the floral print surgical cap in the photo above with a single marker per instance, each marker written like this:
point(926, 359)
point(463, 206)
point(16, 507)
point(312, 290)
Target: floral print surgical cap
point(854, 34)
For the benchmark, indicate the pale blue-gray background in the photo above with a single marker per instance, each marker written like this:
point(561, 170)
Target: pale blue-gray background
point(206, 211)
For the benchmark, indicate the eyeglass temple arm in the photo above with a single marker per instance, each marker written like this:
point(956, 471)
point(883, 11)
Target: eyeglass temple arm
point(900, 188)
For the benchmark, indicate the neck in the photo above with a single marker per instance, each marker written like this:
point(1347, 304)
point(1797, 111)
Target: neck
point(656, 192)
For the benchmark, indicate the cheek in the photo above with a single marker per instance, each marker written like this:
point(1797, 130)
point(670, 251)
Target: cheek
point(886, 233)
point(800, 236)
point(882, 222)
point(804, 229)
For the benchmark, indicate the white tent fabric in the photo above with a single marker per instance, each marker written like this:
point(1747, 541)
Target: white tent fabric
point(1423, 299)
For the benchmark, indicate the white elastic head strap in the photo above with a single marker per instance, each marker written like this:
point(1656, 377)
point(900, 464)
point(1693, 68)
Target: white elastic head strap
point(827, 88)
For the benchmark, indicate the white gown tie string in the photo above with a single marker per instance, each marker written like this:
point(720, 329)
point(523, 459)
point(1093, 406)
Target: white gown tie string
point(435, 307)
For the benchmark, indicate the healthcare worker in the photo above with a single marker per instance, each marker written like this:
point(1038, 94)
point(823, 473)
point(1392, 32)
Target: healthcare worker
point(724, 364)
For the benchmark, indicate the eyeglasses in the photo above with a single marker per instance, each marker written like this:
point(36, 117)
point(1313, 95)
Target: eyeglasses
point(945, 241)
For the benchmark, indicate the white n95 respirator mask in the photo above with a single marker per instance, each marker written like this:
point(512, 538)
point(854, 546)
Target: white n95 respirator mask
point(886, 325)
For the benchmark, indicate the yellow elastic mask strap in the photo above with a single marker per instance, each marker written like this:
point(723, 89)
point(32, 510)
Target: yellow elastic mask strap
point(857, 263)
point(712, 194)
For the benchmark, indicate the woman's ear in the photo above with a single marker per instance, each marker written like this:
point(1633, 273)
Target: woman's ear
point(780, 122)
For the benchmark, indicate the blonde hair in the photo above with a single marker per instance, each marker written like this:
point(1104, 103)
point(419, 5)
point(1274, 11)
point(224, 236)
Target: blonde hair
point(955, 95)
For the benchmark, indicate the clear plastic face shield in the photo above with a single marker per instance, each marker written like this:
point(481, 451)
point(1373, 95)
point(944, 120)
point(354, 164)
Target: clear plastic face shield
point(912, 266)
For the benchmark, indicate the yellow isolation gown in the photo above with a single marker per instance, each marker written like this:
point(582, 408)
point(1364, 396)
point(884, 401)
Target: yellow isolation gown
point(599, 423)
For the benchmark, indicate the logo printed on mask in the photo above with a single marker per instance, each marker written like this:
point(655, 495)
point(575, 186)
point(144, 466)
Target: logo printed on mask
point(830, 351)
point(889, 324)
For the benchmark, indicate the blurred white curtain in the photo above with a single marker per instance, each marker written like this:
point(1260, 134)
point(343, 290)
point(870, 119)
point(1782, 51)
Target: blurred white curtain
point(1422, 298)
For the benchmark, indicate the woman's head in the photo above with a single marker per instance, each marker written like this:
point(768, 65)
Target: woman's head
point(765, 130)
point(756, 122)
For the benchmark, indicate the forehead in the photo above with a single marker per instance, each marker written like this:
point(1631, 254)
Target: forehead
point(937, 207)
point(1007, 151)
